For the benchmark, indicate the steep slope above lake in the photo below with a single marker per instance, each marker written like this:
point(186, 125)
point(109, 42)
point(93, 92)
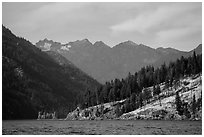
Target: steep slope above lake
point(33, 81)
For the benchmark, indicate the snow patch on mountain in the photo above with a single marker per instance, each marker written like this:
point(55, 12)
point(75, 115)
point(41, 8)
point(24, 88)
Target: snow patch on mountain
point(46, 46)
point(66, 47)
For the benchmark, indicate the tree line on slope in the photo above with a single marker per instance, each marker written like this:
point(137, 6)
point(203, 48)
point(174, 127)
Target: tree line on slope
point(33, 81)
point(134, 87)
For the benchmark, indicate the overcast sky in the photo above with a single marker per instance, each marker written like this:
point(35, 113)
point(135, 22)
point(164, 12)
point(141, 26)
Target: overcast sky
point(177, 25)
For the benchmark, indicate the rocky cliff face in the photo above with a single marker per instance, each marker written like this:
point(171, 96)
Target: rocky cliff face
point(99, 112)
point(160, 107)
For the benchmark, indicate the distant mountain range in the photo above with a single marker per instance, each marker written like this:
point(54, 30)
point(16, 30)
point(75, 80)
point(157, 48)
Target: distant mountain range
point(34, 81)
point(105, 63)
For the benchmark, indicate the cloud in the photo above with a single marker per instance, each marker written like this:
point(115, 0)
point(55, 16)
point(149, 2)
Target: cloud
point(147, 23)
point(49, 20)
point(177, 34)
point(163, 16)
point(49, 14)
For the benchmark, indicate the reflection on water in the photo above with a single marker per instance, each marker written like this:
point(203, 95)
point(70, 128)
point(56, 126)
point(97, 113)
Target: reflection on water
point(139, 127)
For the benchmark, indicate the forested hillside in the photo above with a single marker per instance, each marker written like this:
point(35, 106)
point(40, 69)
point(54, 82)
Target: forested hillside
point(172, 92)
point(132, 87)
point(33, 81)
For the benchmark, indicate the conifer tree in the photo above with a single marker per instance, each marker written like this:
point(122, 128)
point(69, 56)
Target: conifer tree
point(194, 105)
point(118, 111)
point(140, 100)
point(178, 104)
point(133, 100)
point(157, 91)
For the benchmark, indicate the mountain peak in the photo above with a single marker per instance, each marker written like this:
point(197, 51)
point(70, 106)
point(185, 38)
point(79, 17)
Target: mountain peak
point(126, 43)
point(129, 42)
point(45, 39)
point(83, 42)
point(100, 43)
point(198, 49)
point(86, 39)
point(47, 45)
point(168, 50)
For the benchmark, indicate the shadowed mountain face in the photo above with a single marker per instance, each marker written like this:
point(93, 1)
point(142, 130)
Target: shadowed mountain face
point(37, 81)
point(105, 63)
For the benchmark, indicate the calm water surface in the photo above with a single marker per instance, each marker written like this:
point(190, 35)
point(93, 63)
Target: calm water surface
point(116, 127)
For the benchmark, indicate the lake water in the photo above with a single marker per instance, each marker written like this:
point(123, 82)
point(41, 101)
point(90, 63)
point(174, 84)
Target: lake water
point(108, 127)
